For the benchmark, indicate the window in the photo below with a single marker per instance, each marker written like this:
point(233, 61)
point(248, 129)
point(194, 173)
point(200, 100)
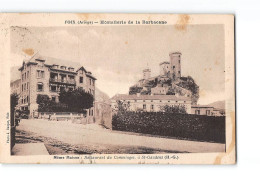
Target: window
point(144, 106)
point(22, 87)
point(40, 74)
point(53, 88)
point(179, 72)
point(62, 89)
point(40, 87)
point(27, 99)
point(71, 69)
point(197, 112)
point(53, 98)
point(173, 67)
point(90, 81)
point(179, 61)
point(207, 112)
point(55, 66)
point(152, 107)
point(27, 74)
point(81, 79)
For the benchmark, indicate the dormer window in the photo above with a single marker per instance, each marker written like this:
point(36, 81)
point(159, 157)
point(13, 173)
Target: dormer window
point(71, 69)
point(55, 66)
point(63, 67)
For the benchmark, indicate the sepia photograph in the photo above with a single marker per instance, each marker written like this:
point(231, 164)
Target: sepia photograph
point(110, 88)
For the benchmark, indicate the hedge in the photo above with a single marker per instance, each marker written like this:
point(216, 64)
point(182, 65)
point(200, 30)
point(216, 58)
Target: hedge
point(181, 126)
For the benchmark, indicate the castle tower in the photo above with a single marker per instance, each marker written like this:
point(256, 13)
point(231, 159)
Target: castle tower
point(175, 65)
point(146, 73)
point(164, 68)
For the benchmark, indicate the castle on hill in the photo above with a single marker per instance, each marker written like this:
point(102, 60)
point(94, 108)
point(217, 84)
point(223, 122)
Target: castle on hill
point(169, 82)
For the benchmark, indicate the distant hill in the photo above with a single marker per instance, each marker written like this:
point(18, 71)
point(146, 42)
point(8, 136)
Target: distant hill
point(101, 96)
point(218, 104)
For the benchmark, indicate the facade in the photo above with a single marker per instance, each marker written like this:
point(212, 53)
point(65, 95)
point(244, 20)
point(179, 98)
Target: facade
point(15, 86)
point(150, 103)
point(49, 76)
point(164, 68)
point(160, 89)
point(206, 110)
point(146, 73)
point(175, 64)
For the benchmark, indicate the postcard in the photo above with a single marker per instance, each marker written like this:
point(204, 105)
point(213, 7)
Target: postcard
point(117, 88)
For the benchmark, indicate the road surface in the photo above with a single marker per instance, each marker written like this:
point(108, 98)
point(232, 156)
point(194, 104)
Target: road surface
point(96, 135)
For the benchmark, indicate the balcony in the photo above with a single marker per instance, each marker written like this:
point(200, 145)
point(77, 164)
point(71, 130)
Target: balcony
point(63, 81)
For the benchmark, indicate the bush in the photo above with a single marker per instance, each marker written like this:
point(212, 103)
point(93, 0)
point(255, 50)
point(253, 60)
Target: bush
point(182, 126)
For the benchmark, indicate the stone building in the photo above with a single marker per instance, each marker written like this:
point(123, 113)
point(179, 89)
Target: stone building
point(150, 103)
point(49, 76)
point(175, 64)
point(165, 68)
point(15, 86)
point(146, 74)
point(205, 110)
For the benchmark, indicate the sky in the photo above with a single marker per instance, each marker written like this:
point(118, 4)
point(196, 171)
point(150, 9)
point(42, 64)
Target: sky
point(116, 55)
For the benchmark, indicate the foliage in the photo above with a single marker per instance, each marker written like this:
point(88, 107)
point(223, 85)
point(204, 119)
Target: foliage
point(176, 109)
point(13, 103)
point(181, 126)
point(70, 101)
point(134, 90)
point(121, 106)
point(76, 100)
point(45, 104)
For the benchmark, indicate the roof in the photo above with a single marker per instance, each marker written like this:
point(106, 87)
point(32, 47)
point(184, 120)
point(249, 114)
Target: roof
point(177, 52)
point(165, 62)
point(149, 97)
point(54, 61)
point(201, 106)
point(147, 69)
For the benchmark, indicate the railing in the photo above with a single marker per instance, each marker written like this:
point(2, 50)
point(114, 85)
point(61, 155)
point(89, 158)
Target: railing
point(62, 81)
point(60, 116)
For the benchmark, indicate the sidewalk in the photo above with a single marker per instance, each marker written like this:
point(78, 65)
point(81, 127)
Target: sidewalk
point(30, 149)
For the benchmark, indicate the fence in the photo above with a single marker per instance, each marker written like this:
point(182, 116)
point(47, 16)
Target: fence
point(181, 126)
point(60, 116)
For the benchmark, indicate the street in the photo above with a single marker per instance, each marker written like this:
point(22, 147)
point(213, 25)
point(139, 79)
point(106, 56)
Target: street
point(64, 137)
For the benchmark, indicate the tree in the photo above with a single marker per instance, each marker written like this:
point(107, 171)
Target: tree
point(76, 100)
point(176, 109)
point(134, 90)
point(13, 104)
point(121, 106)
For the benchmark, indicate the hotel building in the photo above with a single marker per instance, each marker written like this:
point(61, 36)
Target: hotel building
point(48, 76)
